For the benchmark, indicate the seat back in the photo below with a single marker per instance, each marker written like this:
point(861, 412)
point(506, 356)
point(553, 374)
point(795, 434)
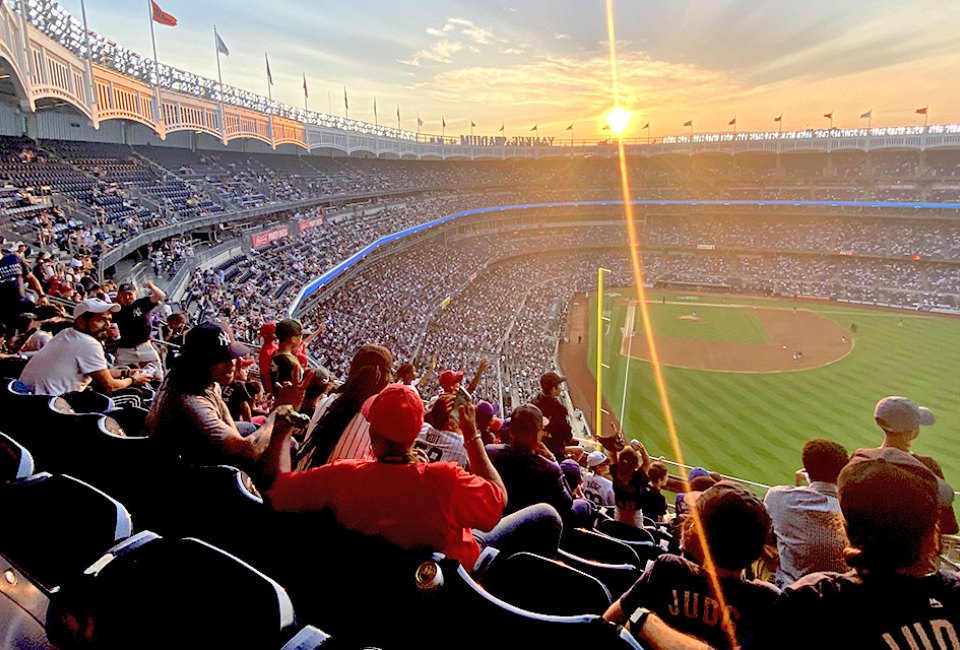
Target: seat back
point(464, 603)
point(88, 401)
point(545, 586)
point(157, 592)
point(617, 578)
point(592, 545)
point(55, 526)
point(623, 531)
point(15, 461)
point(215, 503)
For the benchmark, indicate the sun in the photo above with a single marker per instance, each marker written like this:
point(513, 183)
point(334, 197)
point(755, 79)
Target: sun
point(618, 119)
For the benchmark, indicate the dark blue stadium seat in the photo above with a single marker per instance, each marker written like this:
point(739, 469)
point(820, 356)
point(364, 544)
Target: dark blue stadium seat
point(595, 546)
point(88, 401)
point(55, 526)
point(545, 586)
point(493, 622)
point(15, 460)
point(159, 592)
point(617, 578)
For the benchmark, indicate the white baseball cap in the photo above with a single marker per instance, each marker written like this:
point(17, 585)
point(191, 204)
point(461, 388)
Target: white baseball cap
point(595, 458)
point(94, 306)
point(900, 414)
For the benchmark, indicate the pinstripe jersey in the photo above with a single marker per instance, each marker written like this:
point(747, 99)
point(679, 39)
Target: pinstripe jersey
point(354, 442)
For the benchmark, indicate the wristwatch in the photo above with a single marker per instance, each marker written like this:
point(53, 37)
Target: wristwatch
point(637, 619)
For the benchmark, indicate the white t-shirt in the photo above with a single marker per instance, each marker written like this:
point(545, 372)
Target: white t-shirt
point(64, 364)
point(441, 445)
point(598, 489)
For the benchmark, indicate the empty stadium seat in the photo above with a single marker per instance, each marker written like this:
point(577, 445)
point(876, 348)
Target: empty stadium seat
point(158, 592)
point(15, 461)
point(492, 622)
point(54, 526)
point(538, 584)
point(595, 546)
point(88, 401)
point(617, 578)
point(620, 530)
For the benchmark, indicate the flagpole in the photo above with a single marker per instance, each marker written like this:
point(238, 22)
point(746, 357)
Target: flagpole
point(216, 48)
point(156, 70)
point(88, 67)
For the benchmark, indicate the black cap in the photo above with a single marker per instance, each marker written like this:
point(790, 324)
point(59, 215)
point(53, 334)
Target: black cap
point(210, 343)
point(288, 328)
point(126, 286)
point(550, 379)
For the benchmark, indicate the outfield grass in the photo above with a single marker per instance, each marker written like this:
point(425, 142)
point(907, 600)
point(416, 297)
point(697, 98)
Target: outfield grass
point(754, 425)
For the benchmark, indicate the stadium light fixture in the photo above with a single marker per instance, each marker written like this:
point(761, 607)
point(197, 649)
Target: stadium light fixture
point(618, 119)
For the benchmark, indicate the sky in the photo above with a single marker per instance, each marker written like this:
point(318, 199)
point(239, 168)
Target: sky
point(526, 63)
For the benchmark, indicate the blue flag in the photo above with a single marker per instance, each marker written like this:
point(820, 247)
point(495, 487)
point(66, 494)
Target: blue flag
point(221, 46)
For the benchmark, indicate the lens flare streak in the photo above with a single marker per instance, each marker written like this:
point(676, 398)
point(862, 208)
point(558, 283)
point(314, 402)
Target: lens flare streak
point(638, 277)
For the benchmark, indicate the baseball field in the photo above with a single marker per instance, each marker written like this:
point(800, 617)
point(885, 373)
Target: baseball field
point(750, 380)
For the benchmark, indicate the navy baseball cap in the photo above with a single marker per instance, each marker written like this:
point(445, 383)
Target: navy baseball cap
point(212, 344)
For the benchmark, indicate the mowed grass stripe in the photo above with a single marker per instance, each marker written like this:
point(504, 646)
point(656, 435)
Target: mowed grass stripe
point(753, 425)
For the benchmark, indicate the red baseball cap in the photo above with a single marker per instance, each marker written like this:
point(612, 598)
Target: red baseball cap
point(449, 377)
point(396, 413)
point(267, 330)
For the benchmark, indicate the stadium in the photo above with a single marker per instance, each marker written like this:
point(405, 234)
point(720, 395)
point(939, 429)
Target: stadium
point(704, 300)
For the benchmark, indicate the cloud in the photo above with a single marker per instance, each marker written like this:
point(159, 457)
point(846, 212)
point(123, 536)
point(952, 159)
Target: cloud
point(569, 87)
point(561, 37)
point(439, 52)
point(513, 50)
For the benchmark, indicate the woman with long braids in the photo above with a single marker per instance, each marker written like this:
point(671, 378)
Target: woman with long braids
point(338, 429)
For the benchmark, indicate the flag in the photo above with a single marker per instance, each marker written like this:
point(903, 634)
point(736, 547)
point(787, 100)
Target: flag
point(606, 127)
point(829, 115)
point(305, 93)
point(569, 128)
point(443, 122)
point(921, 111)
point(221, 46)
point(536, 127)
point(732, 122)
point(269, 76)
point(690, 123)
point(161, 16)
point(419, 121)
point(778, 118)
point(646, 126)
point(346, 102)
point(502, 124)
point(867, 115)
point(398, 112)
point(473, 124)
point(375, 109)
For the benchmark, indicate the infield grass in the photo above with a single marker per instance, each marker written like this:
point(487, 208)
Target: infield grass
point(753, 426)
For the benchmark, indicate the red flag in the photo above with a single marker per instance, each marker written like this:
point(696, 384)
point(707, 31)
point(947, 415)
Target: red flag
point(732, 122)
point(829, 115)
point(690, 123)
point(778, 118)
point(921, 111)
point(161, 16)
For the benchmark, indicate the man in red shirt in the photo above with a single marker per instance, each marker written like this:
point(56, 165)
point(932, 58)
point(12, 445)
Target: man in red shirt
point(409, 503)
point(267, 350)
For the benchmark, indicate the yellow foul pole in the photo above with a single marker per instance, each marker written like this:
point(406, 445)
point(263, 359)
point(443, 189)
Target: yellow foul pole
point(598, 431)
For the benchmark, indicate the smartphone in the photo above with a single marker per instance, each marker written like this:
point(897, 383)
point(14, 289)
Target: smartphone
point(462, 398)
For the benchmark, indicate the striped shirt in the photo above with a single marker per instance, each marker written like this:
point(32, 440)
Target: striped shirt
point(354, 442)
point(442, 445)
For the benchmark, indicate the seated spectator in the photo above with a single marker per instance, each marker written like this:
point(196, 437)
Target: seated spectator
point(443, 506)
point(806, 519)
point(488, 423)
point(597, 486)
point(317, 389)
point(338, 429)
point(722, 612)
point(893, 598)
point(441, 437)
point(74, 359)
point(173, 332)
point(652, 502)
point(189, 415)
point(900, 419)
point(532, 474)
